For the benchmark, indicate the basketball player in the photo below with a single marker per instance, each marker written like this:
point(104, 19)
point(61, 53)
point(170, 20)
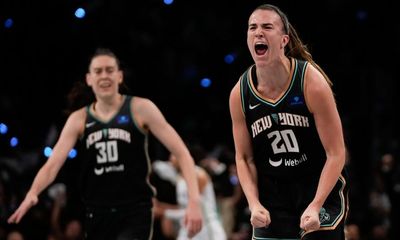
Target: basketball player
point(212, 226)
point(290, 150)
point(114, 130)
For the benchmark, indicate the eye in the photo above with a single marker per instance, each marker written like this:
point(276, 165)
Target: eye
point(110, 70)
point(267, 26)
point(252, 27)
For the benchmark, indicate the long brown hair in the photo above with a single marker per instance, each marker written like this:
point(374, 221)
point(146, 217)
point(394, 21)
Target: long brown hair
point(295, 48)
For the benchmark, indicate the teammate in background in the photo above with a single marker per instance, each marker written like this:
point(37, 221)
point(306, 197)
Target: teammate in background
point(212, 227)
point(290, 150)
point(114, 129)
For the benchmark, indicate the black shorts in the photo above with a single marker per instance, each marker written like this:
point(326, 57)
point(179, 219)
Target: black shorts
point(120, 223)
point(286, 202)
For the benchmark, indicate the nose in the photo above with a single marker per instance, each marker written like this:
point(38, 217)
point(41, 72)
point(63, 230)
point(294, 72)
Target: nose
point(259, 32)
point(103, 74)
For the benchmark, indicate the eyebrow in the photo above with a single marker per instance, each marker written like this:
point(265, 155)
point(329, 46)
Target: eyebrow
point(262, 24)
point(106, 67)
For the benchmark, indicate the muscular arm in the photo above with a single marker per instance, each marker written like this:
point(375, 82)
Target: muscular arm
point(48, 172)
point(244, 160)
point(150, 117)
point(321, 103)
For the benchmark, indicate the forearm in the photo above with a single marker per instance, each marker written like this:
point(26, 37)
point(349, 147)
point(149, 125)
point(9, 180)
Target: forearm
point(188, 171)
point(45, 176)
point(248, 179)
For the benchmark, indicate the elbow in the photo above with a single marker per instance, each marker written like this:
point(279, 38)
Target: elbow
point(337, 158)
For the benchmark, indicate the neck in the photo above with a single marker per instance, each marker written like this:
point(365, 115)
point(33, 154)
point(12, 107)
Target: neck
point(107, 105)
point(274, 74)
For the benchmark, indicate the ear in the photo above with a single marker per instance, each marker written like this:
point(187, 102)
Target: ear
point(121, 77)
point(285, 40)
point(88, 81)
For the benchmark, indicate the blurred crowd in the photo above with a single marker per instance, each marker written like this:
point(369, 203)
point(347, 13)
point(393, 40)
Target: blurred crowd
point(58, 216)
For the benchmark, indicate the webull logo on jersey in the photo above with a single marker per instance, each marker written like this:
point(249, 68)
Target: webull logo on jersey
point(288, 162)
point(113, 168)
point(284, 119)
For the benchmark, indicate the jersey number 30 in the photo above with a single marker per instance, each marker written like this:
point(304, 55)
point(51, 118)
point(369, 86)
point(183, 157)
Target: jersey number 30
point(107, 151)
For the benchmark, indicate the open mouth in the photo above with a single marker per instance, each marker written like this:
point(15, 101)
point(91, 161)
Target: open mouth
point(105, 84)
point(261, 48)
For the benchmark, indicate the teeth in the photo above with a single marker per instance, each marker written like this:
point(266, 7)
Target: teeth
point(105, 84)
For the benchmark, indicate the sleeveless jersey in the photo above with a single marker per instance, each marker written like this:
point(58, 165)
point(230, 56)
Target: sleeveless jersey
point(283, 134)
point(116, 164)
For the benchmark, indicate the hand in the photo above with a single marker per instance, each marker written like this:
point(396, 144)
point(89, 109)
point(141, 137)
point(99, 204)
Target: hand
point(158, 210)
point(29, 201)
point(309, 221)
point(193, 219)
point(260, 217)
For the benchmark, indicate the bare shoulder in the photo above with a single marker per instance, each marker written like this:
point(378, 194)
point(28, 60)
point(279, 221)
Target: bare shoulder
point(234, 97)
point(145, 112)
point(81, 112)
point(317, 90)
point(141, 103)
point(236, 88)
point(315, 81)
point(75, 124)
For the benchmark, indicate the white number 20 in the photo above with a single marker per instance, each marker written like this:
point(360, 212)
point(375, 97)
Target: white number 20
point(283, 141)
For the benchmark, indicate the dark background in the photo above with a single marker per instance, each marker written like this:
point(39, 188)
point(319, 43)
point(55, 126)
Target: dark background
point(166, 51)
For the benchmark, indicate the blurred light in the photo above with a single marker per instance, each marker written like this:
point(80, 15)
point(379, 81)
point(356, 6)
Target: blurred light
point(230, 58)
point(362, 15)
point(80, 13)
point(13, 142)
point(72, 153)
point(190, 71)
point(47, 151)
point(205, 82)
point(3, 128)
point(8, 23)
point(234, 180)
point(168, 2)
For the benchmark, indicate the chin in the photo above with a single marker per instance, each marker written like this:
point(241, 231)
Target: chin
point(261, 62)
point(106, 93)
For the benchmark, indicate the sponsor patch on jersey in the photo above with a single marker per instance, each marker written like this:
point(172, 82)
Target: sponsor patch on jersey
point(296, 100)
point(288, 162)
point(122, 119)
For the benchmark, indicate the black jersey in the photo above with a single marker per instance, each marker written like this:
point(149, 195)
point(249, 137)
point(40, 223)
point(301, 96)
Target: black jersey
point(283, 133)
point(116, 165)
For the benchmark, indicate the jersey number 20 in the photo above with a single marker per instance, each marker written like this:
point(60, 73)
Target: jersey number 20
point(283, 141)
